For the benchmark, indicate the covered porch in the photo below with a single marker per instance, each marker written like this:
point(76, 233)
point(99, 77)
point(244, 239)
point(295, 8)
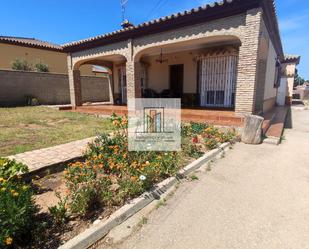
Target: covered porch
point(202, 74)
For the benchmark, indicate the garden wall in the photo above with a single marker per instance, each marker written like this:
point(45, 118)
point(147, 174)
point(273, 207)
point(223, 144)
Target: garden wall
point(48, 88)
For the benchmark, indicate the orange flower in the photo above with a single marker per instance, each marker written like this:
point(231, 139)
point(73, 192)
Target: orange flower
point(133, 178)
point(8, 241)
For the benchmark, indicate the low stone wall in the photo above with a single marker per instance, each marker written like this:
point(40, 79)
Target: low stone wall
point(48, 88)
point(301, 94)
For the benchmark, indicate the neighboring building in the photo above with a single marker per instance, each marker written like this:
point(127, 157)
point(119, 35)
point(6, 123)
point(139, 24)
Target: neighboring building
point(19, 87)
point(285, 91)
point(34, 51)
point(224, 55)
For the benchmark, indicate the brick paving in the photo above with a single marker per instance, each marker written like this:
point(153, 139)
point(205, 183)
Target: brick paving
point(42, 158)
point(216, 117)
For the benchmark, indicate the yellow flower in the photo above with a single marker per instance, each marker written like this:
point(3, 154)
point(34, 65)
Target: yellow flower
point(3, 189)
point(15, 194)
point(8, 241)
point(1, 179)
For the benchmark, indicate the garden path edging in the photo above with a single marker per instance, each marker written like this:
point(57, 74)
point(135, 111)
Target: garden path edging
point(97, 232)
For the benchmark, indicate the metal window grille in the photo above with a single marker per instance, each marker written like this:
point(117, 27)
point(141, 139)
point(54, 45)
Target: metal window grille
point(217, 76)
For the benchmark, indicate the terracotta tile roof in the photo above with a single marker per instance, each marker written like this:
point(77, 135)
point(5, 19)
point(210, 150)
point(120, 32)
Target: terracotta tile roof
point(149, 23)
point(30, 42)
point(291, 58)
point(198, 15)
point(206, 12)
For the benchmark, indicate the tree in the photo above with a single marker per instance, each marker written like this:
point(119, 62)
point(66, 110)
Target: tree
point(298, 80)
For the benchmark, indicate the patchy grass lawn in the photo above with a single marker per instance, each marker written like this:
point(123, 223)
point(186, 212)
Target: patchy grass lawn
point(28, 128)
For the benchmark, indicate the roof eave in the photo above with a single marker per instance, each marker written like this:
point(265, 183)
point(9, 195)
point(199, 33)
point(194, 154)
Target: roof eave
point(60, 49)
point(176, 21)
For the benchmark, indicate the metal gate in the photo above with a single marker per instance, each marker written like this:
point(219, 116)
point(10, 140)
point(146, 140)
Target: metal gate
point(217, 81)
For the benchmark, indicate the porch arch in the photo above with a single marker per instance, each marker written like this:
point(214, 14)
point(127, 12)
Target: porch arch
point(107, 62)
point(188, 54)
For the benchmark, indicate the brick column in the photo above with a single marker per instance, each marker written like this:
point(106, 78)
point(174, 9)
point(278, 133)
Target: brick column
point(137, 77)
point(248, 64)
point(75, 87)
point(133, 79)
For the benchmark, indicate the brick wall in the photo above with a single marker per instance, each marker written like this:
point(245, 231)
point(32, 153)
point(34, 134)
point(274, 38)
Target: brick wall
point(48, 88)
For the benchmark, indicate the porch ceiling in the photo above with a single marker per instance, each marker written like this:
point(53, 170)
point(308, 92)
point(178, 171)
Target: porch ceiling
point(192, 45)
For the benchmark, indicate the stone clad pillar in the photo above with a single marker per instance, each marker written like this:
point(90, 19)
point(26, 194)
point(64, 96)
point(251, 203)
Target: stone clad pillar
point(248, 64)
point(133, 79)
point(75, 88)
point(74, 84)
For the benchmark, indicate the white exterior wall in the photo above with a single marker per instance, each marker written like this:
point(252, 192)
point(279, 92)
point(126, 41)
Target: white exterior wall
point(270, 90)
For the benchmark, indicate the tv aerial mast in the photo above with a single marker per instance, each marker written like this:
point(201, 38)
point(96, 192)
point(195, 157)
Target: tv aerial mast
point(123, 4)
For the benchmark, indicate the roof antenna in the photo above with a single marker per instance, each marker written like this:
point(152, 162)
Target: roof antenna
point(123, 9)
point(124, 22)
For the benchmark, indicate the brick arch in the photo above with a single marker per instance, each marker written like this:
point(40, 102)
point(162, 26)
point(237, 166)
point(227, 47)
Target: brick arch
point(210, 40)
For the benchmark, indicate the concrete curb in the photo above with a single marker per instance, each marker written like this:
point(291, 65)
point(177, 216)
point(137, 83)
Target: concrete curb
point(96, 232)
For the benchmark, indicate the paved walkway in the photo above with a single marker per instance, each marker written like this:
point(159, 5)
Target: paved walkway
point(255, 197)
point(37, 159)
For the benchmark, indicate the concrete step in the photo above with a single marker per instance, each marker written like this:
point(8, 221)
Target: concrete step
point(274, 125)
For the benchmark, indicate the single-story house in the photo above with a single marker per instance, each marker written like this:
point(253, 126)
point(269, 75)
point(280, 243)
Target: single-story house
point(35, 51)
point(285, 90)
point(227, 55)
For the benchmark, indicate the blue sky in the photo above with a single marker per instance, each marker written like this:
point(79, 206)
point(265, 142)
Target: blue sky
point(62, 21)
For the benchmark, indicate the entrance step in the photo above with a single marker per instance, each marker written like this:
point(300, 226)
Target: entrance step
point(273, 124)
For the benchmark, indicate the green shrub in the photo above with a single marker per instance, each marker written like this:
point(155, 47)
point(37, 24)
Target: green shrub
point(111, 174)
point(59, 212)
point(17, 208)
point(22, 65)
point(41, 67)
point(10, 168)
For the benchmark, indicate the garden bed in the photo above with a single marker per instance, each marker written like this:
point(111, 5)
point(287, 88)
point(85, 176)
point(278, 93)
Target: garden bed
point(109, 176)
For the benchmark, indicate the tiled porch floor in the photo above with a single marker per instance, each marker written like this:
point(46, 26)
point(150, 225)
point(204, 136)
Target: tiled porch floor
point(217, 117)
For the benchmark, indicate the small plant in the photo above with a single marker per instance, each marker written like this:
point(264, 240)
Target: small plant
point(208, 167)
point(21, 65)
point(161, 203)
point(59, 212)
point(17, 208)
point(143, 221)
point(211, 143)
point(194, 177)
point(223, 154)
point(41, 67)
point(10, 168)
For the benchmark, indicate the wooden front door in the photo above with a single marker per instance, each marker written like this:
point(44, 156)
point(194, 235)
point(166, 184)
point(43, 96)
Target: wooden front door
point(176, 80)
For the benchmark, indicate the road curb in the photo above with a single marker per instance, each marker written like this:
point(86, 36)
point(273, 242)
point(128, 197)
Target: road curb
point(96, 232)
